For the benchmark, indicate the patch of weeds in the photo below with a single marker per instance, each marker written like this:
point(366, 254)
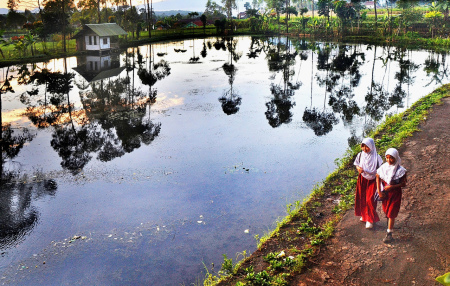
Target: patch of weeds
point(271, 256)
point(243, 255)
point(299, 262)
point(276, 264)
point(261, 240)
point(280, 280)
point(316, 204)
point(261, 279)
point(278, 261)
point(227, 265)
point(308, 227)
point(249, 269)
point(336, 210)
point(316, 241)
point(210, 279)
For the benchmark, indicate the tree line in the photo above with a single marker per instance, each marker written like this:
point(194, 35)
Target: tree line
point(56, 20)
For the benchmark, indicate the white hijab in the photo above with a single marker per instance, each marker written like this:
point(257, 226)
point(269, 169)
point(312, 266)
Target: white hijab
point(369, 161)
point(386, 171)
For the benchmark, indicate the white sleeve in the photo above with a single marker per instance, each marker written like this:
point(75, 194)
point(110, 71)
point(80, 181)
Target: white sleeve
point(356, 163)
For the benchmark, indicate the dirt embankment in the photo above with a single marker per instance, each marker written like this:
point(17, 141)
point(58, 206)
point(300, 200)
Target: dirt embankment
point(421, 250)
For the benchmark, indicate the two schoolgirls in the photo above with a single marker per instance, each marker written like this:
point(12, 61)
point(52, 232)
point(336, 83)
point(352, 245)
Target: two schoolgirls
point(378, 181)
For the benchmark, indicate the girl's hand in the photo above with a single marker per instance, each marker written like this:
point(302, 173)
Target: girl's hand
point(387, 187)
point(360, 170)
point(382, 195)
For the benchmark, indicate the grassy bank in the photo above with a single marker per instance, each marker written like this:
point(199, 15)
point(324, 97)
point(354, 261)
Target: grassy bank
point(290, 247)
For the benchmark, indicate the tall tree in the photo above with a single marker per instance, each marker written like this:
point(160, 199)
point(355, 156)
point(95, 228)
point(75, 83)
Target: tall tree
point(229, 5)
point(376, 14)
point(203, 19)
point(93, 5)
point(276, 5)
point(56, 17)
point(213, 9)
point(12, 5)
point(288, 10)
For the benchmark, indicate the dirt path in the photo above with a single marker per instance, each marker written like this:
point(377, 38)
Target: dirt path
point(421, 250)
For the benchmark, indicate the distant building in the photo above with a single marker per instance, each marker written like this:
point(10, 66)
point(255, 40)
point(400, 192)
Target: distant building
point(371, 4)
point(242, 15)
point(99, 37)
point(190, 25)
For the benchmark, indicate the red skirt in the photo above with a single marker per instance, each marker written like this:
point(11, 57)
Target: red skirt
point(391, 205)
point(365, 205)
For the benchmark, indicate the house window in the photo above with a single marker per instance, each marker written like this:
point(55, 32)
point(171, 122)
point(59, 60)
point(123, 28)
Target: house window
point(95, 40)
point(96, 66)
point(91, 66)
point(106, 64)
point(90, 40)
point(105, 41)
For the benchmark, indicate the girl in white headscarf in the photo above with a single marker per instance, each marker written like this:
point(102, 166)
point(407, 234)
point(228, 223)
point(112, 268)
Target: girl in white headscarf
point(367, 163)
point(391, 177)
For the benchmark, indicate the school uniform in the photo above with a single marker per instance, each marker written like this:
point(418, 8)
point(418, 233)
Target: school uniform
point(392, 175)
point(365, 205)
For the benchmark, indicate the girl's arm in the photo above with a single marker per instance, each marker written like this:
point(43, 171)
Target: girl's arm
point(380, 194)
point(358, 168)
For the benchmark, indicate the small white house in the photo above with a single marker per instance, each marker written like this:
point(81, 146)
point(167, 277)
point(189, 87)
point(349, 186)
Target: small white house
point(99, 37)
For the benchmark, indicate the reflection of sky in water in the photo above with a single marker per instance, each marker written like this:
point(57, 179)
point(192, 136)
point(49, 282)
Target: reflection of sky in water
point(154, 215)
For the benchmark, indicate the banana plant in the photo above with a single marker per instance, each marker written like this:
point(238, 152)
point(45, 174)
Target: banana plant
point(29, 40)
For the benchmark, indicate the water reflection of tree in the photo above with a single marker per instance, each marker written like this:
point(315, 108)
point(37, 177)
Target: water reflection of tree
point(281, 58)
point(152, 73)
point(11, 141)
point(378, 99)
point(193, 59)
point(120, 109)
point(377, 95)
point(204, 51)
point(436, 67)
point(403, 76)
point(112, 121)
point(18, 191)
point(344, 76)
point(321, 121)
point(18, 214)
point(230, 100)
point(51, 109)
point(220, 44)
point(255, 48)
point(73, 137)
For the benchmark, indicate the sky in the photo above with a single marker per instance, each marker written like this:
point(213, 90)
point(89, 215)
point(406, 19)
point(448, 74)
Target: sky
point(164, 5)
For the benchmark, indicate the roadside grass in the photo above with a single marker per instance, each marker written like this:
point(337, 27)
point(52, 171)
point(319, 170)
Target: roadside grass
point(292, 254)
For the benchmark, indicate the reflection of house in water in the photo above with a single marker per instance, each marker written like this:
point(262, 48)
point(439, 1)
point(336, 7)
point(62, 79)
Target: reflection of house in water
point(99, 37)
point(94, 68)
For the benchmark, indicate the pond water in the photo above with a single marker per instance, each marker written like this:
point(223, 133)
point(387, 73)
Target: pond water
point(145, 167)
